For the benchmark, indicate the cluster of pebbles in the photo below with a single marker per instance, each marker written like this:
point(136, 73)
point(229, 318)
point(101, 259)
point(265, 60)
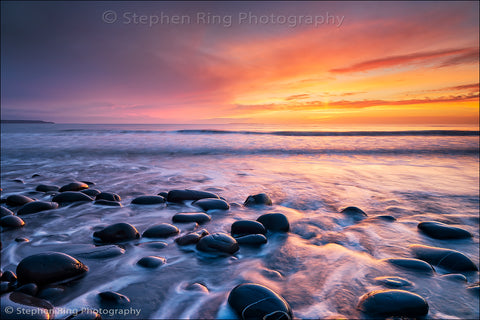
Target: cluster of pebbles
point(34, 273)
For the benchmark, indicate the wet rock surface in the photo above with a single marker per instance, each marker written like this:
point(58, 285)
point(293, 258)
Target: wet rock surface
point(49, 267)
point(254, 301)
point(397, 303)
point(116, 233)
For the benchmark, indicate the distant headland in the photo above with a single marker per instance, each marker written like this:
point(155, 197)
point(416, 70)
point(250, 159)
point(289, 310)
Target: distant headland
point(24, 121)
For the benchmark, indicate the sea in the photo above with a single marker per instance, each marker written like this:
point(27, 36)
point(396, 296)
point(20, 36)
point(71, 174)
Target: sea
point(321, 267)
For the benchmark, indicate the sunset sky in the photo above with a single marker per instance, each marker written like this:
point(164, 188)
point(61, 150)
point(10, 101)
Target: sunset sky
point(258, 62)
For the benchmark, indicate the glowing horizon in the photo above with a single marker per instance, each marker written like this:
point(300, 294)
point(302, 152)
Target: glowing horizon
point(384, 63)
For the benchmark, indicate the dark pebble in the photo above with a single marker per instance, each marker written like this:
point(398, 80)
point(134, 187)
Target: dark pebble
point(274, 222)
point(74, 186)
point(413, 264)
point(190, 238)
point(163, 194)
point(153, 244)
point(258, 199)
point(148, 200)
point(37, 206)
point(28, 305)
point(71, 196)
point(162, 230)
point(254, 301)
point(5, 212)
point(11, 222)
point(89, 183)
point(385, 217)
point(116, 233)
point(29, 288)
point(107, 203)
point(396, 303)
point(443, 231)
point(393, 282)
point(474, 288)
point(51, 293)
point(16, 200)
point(212, 204)
point(113, 297)
point(21, 239)
point(50, 267)
point(179, 196)
point(244, 227)
point(252, 240)
point(151, 262)
point(198, 217)
point(218, 243)
point(108, 196)
point(91, 192)
point(46, 188)
point(8, 276)
point(19, 181)
point(356, 213)
point(36, 175)
point(448, 259)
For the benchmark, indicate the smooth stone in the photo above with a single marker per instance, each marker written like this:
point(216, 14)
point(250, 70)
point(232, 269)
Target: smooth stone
point(390, 302)
point(274, 222)
point(244, 227)
point(85, 315)
point(107, 203)
point(163, 194)
point(35, 175)
point(94, 252)
point(252, 240)
point(454, 277)
point(254, 301)
point(258, 199)
point(108, 196)
point(29, 288)
point(148, 200)
point(153, 244)
point(91, 192)
point(211, 204)
point(118, 232)
point(448, 259)
point(46, 188)
point(71, 196)
point(21, 239)
point(30, 307)
point(11, 222)
point(414, 264)
point(356, 213)
point(89, 183)
point(395, 282)
point(5, 212)
point(198, 217)
point(49, 267)
point(19, 181)
point(191, 238)
point(179, 196)
point(51, 292)
point(162, 230)
point(74, 186)
point(8, 276)
point(151, 262)
point(443, 231)
point(218, 242)
point(113, 297)
point(385, 217)
point(16, 200)
point(36, 206)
